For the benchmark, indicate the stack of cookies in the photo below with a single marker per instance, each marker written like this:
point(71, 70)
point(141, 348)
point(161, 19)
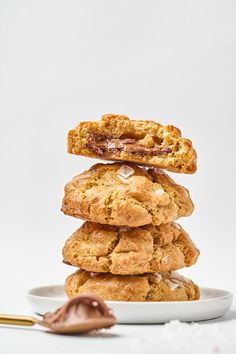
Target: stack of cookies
point(129, 247)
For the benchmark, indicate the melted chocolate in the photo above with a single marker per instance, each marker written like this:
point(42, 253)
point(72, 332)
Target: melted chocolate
point(105, 145)
point(81, 314)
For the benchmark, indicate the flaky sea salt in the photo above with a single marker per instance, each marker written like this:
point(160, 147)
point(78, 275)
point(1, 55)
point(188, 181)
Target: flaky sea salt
point(177, 281)
point(171, 285)
point(176, 331)
point(122, 179)
point(158, 276)
point(125, 171)
point(159, 192)
point(177, 276)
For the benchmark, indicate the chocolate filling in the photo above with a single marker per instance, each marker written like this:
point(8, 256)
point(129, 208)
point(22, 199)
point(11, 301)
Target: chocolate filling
point(81, 314)
point(105, 145)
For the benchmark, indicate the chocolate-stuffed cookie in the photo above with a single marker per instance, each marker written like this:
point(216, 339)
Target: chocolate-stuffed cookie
point(116, 137)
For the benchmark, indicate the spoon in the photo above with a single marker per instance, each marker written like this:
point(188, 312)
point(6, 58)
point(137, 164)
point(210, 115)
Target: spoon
point(81, 314)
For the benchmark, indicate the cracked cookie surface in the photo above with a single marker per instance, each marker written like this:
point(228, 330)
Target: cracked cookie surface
point(116, 137)
point(120, 250)
point(147, 287)
point(129, 195)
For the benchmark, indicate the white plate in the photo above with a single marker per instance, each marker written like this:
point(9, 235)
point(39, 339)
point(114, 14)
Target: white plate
point(212, 304)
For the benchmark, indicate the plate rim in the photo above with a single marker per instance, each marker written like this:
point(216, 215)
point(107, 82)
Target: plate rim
point(228, 295)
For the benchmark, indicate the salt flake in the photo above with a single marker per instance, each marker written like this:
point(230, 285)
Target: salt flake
point(159, 192)
point(171, 285)
point(158, 276)
point(125, 171)
point(177, 276)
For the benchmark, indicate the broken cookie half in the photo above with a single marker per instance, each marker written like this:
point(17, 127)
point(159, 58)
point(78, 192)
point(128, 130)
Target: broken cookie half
point(116, 137)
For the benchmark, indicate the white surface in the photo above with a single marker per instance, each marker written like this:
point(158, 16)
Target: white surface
point(66, 61)
point(216, 336)
point(212, 304)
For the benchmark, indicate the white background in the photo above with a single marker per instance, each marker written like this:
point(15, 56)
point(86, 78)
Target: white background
point(67, 61)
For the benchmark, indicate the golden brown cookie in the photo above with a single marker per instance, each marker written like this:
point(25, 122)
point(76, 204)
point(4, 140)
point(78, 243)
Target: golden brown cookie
point(147, 287)
point(116, 137)
point(119, 194)
point(119, 250)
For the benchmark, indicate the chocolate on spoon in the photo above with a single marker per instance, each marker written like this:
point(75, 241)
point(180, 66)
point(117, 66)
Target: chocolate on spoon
point(81, 314)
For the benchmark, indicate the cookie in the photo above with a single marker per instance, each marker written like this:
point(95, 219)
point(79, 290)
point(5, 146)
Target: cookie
point(121, 250)
point(116, 137)
point(147, 287)
point(118, 194)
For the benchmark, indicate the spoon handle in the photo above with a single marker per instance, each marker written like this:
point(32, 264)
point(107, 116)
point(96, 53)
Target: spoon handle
point(18, 320)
